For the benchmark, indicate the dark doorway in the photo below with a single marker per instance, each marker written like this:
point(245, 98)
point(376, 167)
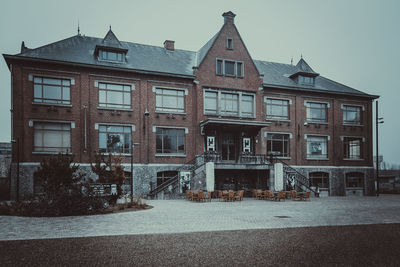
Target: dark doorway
point(228, 149)
point(241, 180)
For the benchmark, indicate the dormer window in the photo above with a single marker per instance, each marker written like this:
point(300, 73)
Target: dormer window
point(306, 80)
point(229, 43)
point(111, 56)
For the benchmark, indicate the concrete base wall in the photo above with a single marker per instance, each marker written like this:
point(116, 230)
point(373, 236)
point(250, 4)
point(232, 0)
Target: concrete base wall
point(144, 174)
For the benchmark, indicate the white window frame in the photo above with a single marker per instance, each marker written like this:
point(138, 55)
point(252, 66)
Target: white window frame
point(100, 57)
point(48, 101)
point(64, 150)
point(326, 111)
point(277, 98)
point(234, 68)
point(219, 103)
point(185, 130)
point(308, 152)
point(170, 110)
point(97, 127)
point(281, 133)
point(227, 43)
point(362, 108)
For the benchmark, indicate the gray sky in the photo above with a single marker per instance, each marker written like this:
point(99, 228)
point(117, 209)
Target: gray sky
point(352, 42)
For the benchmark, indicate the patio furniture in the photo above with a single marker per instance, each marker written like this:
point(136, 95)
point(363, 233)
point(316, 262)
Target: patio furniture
point(306, 196)
point(208, 197)
point(259, 194)
point(231, 195)
point(239, 195)
point(268, 195)
point(200, 196)
point(294, 196)
point(280, 195)
point(195, 195)
point(189, 194)
point(220, 195)
point(225, 195)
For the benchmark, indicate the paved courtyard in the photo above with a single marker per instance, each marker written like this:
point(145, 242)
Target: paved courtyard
point(181, 216)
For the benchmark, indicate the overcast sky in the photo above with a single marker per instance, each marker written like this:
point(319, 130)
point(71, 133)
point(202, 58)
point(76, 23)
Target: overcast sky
point(352, 42)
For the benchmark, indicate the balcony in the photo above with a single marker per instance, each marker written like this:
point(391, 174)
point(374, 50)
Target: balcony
point(244, 160)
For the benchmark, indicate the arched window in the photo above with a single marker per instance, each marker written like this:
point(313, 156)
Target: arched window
point(354, 179)
point(165, 175)
point(319, 179)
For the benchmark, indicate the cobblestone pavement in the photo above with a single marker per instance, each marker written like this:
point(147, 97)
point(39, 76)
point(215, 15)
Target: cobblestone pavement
point(181, 216)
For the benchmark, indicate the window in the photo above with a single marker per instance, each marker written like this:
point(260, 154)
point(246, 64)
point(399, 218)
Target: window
point(219, 67)
point(320, 180)
point(52, 137)
point(170, 100)
point(210, 102)
point(354, 179)
point(278, 144)
point(162, 177)
point(115, 139)
point(306, 80)
point(170, 141)
point(317, 147)
point(316, 112)
point(223, 103)
point(51, 90)
point(247, 105)
point(352, 147)
point(351, 115)
point(114, 95)
point(229, 43)
point(229, 68)
point(111, 56)
point(229, 104)
point(277, 109)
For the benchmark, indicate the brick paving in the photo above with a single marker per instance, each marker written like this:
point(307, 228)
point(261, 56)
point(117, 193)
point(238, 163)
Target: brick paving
point(181, 216)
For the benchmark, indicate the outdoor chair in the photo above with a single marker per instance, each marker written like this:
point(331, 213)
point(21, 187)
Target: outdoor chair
point(259, 194)
point(293, 195)
point(231, 195)
point(220, 195)
point(189, 194)
point(239, 195)
point(268, 195)
point(306, 196)
point(195, 195)
point(254, 193)
point(281, 195)
point(209, 195)
point(200, 195)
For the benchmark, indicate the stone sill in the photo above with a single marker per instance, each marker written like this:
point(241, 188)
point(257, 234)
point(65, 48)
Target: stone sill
point(171, 155)
point(52, 104)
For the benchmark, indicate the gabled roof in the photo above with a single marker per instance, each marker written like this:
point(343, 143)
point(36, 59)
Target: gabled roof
point(79, 50)
point(277, 75)
point(204, 50)
point(110, 40)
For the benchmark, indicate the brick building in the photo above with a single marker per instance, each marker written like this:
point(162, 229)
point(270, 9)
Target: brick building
point(211, 119)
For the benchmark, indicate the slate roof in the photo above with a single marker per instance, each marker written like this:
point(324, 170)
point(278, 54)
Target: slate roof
point(146, 58)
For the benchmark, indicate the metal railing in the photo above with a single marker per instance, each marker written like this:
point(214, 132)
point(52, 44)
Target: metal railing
point(294, 176)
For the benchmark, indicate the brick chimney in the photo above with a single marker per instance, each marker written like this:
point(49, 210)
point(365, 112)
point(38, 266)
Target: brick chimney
point(229, 17)
point(169, 45)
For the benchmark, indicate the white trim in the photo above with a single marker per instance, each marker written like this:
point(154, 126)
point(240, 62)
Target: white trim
point(32, 75)
point(96, 125)
point(170, 127)
point(290, 134)
point(318, 135)
point(328, 104)
point(229, 38)
point(176, 155)
point(96, 84)
point(278, 98)
point(31, 122)
point(154, 87)
point(352, 105)
point(361, 137)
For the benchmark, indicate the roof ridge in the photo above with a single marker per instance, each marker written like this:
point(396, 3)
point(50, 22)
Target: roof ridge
point(47, 45)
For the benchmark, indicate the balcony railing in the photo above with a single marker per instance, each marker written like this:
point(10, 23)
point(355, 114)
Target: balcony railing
point(244, 158)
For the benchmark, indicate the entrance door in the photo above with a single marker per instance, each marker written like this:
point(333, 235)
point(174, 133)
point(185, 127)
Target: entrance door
point(228, 147)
